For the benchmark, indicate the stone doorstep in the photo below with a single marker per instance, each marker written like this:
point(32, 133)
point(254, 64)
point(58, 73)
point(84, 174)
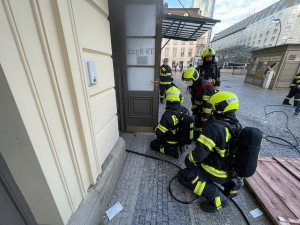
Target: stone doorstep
point(92, 208)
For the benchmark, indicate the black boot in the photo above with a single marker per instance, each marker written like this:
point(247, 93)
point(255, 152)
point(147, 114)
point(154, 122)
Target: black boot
point(286, 102)
point(231, 189)
point(219, 202)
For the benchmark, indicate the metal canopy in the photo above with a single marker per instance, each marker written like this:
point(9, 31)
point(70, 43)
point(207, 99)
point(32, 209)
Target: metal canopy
point(237, 50)
point(185, 28)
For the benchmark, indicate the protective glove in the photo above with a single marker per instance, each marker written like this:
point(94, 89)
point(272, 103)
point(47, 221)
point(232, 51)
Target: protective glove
point(187, 162)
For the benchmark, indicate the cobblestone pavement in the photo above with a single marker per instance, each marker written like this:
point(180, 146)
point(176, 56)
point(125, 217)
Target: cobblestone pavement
point(143, 185)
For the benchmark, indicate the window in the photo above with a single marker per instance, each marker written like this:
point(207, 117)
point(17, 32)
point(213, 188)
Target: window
point(175, 42)
point(182, 53)
point(198, 51)
point(183, 42)
point(265, 40)
point(174, 52)
point(191, 42)
point(275, 31)
point(167, 52)
point(258, 42)
point(260, 35)
point(273, 38)
point(190, 52)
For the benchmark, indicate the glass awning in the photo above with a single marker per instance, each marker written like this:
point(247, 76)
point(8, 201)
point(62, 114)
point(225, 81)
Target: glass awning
point(185, 28)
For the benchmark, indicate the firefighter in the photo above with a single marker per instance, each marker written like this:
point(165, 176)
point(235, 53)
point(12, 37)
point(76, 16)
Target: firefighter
point(209, 69)
point(294, 91)
point(166, 79)
point(167, 130)
point(210, 162)
point(200, 90)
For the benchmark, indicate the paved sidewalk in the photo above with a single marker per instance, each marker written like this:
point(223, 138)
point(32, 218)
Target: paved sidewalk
point(143, 185)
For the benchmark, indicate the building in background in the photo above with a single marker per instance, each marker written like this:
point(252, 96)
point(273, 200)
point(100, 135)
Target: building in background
point(275, 25)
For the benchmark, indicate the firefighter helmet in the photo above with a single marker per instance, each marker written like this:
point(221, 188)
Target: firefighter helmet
point(173, 94)
point(208, 52)
point(224, 101)
point(190, 73)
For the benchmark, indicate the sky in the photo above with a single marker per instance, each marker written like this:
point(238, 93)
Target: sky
point(228, 11)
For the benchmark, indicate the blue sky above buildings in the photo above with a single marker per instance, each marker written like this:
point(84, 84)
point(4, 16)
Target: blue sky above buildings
point(229, 11)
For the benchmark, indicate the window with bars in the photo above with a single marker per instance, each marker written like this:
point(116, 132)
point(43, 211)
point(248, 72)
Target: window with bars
point(190, 52)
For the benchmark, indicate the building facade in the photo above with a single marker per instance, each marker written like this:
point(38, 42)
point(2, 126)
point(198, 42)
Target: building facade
point(272, 26)
point(56, 136)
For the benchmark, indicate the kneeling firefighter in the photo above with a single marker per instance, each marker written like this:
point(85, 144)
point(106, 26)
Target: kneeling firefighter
point(223, 152)
point(175, 128)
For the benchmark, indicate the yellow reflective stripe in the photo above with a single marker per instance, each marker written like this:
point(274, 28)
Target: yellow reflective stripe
point(218, 202)
point(191, 134)
point(207, 142)
point(162, 150)
point(164, 82)
point(297, 77)
point(168, 74)
point(199, 187)
point(175, 119)
point(198, 102)
point(221, 151)
point(293, 84)
point(206, 110)
point(217, 88)
point(205, 97)
point(213, 171)
point(163, 68)
point(219, 79)
point(191, 125)
point(287, 98)
point(172, 142)
point(228, 135)
point(162, 128)
point(173, 131)
point(194, 106)
point(198, 129)
point(195, 179)
point(191, 158)
point(296, 99)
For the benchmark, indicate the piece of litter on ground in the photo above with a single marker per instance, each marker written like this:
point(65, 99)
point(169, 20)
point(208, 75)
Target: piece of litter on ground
point(114, 210)
point(256, 213)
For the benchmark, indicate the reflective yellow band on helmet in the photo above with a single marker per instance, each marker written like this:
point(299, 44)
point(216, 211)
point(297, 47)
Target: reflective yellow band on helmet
point(173, 93)
point(165, 82)
point(162, 128)
point(191, 158)
point(218, 202)
point(210, 144)
point(213, 171)
point(195, 179)
point(162, 150)
point(199, 187)
point(221, 151)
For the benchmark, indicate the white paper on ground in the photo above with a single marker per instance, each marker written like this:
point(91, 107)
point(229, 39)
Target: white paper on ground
point(114, 210)
point(256, 213)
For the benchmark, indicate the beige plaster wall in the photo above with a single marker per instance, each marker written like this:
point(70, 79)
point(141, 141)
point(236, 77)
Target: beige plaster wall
point(69, 128)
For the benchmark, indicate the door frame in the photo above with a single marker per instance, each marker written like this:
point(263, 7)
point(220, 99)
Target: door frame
point(14, 193)
point(118, 37)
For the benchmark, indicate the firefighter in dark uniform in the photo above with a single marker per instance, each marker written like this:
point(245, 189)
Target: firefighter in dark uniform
point(166, 79)
point(294, 91)
point(209, 69)
point(200, 90)
point(167, 130)
point(209, 161)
